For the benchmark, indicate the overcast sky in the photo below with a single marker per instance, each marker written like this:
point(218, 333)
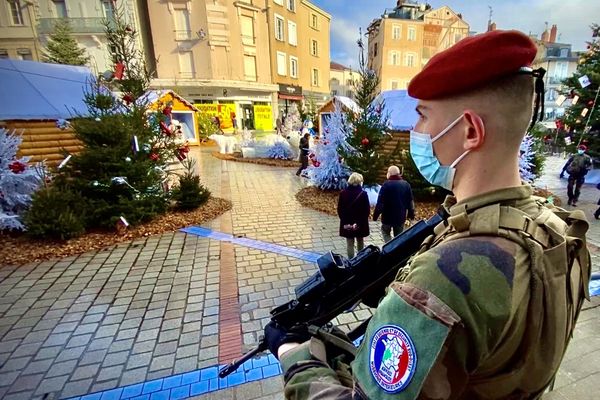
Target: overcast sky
point(573, 18)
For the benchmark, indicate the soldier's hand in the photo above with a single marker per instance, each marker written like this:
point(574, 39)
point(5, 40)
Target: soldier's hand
point(275, 336)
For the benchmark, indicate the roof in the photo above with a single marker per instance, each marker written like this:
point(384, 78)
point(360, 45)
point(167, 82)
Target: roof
point(400, 108)
point(153, 95)
point(337, 66)
point(42, 91)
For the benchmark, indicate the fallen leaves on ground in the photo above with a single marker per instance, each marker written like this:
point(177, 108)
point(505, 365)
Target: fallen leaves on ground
point(326, 201)
point(545, 194)
point(20, 249)
point(273, 162)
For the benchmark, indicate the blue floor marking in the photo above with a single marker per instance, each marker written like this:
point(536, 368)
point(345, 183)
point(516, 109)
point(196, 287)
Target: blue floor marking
point(252, 243)
point(194, 383)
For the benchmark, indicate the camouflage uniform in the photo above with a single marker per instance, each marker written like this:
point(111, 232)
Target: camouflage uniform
point(467, 319)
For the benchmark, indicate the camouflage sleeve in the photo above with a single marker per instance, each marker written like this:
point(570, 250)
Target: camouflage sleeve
point(433, 330)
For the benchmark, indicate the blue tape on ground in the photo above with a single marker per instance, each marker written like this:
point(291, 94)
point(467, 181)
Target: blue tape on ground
point(252, 243)
point(595, 287)
point(190, 384)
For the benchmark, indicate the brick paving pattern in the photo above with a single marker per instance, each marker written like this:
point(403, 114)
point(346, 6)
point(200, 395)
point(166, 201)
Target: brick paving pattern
point(167, 305)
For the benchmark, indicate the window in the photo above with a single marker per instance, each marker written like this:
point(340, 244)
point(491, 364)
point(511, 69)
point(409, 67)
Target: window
point(15, 12)
point(292, 35)
point(314, 47)
point(247, 26)
point(109, 9)
point(560, 70)
point(349, 82)
point(281, 64)
point(186, 64)
point(564, 52)
point(183, 31)
point(291, 5)
point(349, 93)
point(250, 68)
point(396, 30)
point(314, 21)
point(24, 54)
point(334, 92)
point(394, 58)
point(293, 67)
point(394, 85)
point(409, 59)
point(315, 77)
point(3, 53)
point(375, 50)
point(457, 37)
point(412, 33)
point(60, 9)
point(279, 29)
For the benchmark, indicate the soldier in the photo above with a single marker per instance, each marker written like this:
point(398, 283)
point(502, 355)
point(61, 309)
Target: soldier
point(577, 166)
point(486, 308)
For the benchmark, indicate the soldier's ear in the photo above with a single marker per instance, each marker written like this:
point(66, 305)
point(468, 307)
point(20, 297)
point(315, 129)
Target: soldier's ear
point(474, 131)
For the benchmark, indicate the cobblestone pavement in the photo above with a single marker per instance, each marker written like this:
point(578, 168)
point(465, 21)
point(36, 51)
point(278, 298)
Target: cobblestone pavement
point(156, 307)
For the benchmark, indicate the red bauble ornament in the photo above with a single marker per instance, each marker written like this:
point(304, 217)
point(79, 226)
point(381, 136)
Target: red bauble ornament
point(311, 155)
point(317, 164)
point(591, 103)
point(364, 141)
point(154, 157)
point(128, 98)
point(17, 167)
point(167, 111)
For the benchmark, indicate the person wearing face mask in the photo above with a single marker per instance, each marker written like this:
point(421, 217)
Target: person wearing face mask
point(577, 167)
point(487, 306)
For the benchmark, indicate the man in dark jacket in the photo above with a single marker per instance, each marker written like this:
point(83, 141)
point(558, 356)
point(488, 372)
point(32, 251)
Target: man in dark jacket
point(577, 167)
point(303, 153)
point(394, 204)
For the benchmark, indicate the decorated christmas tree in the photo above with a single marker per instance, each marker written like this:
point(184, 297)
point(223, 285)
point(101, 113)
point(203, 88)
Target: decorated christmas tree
point(280, 150)
point(293, 122)
point(328, 170)
point(526, 159)
point(367, 135)
point(62, 48)
point(581, 122)
point(120, 173)
point(18, 181)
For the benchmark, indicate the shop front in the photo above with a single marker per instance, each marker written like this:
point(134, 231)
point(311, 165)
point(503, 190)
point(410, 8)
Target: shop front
point(288, 94)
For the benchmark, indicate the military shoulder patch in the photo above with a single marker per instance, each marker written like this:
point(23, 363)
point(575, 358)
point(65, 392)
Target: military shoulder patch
point(393, 359)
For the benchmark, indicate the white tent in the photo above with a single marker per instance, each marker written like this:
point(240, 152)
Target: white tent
point(400, 109)
point(32, 90)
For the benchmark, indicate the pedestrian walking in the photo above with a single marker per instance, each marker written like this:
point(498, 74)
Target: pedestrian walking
point(488, 305)
point(597, 213)
point(395, 204)
point(577, 167)
point(353, 209)
point(304, 148)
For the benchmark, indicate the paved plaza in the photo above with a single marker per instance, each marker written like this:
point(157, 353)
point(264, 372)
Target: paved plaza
point(153, 318)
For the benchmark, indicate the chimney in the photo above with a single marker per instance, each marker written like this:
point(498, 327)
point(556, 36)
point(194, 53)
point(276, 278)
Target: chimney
point(553, 33)
point(545, 36)
point(493, 26)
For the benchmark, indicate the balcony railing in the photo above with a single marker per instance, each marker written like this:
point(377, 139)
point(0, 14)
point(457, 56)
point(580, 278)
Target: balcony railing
point(183, 35)
point(78, 25)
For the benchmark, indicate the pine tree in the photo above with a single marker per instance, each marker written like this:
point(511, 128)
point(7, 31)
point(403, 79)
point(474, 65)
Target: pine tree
point(62, 48)
point(328, 170)
point(126, 145)
point(582, 125)
point(292, 123)
point(367, 135)
point(18, 182)
point(526, 159)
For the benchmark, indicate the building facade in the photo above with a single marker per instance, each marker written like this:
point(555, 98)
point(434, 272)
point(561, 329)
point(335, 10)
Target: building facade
point(299, 48)
point(26, 25)
point(403, 40)
point(342, 80)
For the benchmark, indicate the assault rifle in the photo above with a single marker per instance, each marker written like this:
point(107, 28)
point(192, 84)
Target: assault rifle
point(341, 284)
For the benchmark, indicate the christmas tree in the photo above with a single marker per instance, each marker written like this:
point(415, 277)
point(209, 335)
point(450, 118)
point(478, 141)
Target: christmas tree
point(328, 170)
point(293, 123)
point(280, 151)
point(120, 173)
point(368, 135)
point(582, 119)
point(62, 48)
point(18, 182)
point(526, 159)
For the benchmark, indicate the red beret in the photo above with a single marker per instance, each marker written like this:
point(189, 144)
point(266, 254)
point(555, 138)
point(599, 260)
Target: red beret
point(473, 62)
point(582, 147)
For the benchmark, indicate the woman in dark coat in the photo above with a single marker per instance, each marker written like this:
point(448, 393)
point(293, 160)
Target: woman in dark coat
point(353, 209)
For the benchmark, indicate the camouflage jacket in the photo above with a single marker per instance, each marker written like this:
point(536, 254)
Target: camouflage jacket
point(436, 333)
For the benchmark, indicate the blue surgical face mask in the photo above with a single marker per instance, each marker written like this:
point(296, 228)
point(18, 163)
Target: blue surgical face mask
point(421, 150)
point(580, 151)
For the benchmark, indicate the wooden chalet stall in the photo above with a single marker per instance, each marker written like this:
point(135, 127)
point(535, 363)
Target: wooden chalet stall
point(42, 98)
point(183, 112)
point(326, 110)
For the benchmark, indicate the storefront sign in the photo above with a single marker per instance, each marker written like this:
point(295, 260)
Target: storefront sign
point(225, 112)
point(263, 118)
